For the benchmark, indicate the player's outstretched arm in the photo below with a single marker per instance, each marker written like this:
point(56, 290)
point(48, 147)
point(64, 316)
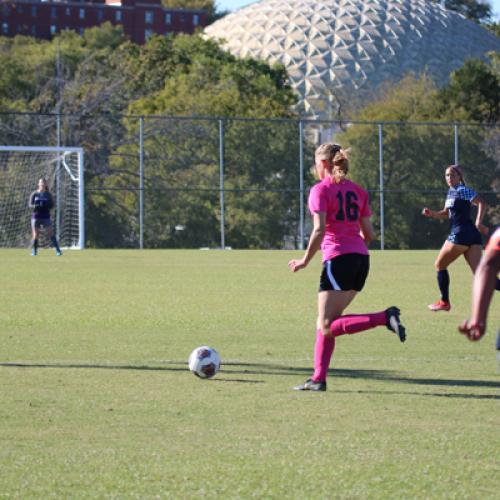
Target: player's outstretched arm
point(315, 239)
point(435, 214)
point(31, 201)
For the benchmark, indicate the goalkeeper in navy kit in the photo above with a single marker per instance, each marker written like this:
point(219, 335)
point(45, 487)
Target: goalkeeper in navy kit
point(41, 202)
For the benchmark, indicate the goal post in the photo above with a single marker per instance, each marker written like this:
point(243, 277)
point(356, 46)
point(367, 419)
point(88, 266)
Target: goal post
point(20, 169)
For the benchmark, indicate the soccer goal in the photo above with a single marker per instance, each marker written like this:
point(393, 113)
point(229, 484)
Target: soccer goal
point(20, 169)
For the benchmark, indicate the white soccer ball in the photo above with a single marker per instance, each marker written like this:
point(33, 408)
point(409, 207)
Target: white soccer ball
point(204, 362)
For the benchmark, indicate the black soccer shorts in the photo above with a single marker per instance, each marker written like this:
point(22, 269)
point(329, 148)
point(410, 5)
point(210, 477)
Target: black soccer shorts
point(345, 272)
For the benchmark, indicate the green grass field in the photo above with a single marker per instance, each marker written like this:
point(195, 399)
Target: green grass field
point(97, 400)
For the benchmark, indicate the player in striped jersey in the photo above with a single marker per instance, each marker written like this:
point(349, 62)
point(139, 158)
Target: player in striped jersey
point(465, 235)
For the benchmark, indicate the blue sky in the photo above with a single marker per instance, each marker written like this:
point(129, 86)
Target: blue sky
point(233, 5)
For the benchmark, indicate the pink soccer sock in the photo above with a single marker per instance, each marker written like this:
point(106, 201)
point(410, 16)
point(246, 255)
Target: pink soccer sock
point(354, 323)
point(323, 351)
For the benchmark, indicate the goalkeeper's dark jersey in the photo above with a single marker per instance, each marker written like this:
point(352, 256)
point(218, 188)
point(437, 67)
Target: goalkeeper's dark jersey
point(41, 202)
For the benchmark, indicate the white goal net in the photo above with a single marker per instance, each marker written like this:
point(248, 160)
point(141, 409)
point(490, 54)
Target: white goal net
point(20, 169)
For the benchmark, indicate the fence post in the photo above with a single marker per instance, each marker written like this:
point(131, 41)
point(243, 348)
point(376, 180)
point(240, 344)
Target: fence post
point(455, 134)
point(221, 183)
point(301, 185)
point(141, 182)
point(81, 201)
point(58, 133)
point(381, 185)
point(58, 177)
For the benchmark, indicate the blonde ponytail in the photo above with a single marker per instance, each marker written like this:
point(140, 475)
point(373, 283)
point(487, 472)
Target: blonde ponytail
point(340, 165)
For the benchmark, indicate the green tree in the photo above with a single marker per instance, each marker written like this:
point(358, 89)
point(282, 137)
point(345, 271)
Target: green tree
point(494, 28)
point(415, 157)
point(476, 10)
point(473, 94)
point(189, 76)
point(208, 6)
point(495, 63)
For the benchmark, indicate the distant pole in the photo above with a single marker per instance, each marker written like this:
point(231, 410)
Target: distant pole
point(221, 183)
point(301, 185)
point(141, 182)
point(81, 201)
point(58, 139)
point(58, 177)
point(381, 185)
point(455, 133)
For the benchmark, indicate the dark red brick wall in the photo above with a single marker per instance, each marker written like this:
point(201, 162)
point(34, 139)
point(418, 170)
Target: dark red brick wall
point(36, 18)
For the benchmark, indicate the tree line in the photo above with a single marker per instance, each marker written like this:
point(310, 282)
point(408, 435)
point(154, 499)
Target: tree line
point(101, 83)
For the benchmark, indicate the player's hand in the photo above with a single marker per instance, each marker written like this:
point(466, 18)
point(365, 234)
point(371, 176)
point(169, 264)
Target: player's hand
point(482, 229)
point(296, 265)
point(472, 331)
point(426, 212)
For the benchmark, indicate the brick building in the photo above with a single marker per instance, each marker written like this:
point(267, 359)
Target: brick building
point(139, 18)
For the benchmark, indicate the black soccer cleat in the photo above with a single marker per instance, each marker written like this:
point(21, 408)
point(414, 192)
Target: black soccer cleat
point(394, 323)
point(310, 385)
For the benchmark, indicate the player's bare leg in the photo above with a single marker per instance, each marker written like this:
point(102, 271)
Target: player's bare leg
point(53, 239)
point(473, 255)
point(35, 232)
point(449, 253)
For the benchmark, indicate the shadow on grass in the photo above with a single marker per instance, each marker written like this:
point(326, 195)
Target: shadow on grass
point(434, 394)
point(240, 368)
point(180, 368)
point(382, 375)
point(95, 366)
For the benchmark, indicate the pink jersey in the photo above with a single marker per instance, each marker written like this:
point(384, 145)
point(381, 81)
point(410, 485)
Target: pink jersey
point(344, 204)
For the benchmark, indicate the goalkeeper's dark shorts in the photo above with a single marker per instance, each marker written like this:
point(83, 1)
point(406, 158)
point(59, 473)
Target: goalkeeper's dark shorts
point(40, 223)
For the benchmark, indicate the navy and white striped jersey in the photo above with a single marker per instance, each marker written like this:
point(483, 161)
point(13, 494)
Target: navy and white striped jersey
point(458, 203)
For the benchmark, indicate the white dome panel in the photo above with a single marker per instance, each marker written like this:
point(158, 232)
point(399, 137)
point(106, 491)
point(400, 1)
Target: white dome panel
point(333, 47)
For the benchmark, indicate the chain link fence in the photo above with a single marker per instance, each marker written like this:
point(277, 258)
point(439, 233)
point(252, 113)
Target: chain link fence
point(197, 182)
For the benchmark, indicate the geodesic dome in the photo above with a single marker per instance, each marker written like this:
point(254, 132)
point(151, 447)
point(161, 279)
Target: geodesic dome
point(341, 51)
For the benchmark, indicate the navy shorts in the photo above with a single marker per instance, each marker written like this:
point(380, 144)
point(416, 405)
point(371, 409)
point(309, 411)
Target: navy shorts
point(345, 272)
point(466, 235)
point(39, 223)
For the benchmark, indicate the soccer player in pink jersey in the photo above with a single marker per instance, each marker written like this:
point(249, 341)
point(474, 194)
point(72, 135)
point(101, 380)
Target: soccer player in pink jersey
point(342, 229)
